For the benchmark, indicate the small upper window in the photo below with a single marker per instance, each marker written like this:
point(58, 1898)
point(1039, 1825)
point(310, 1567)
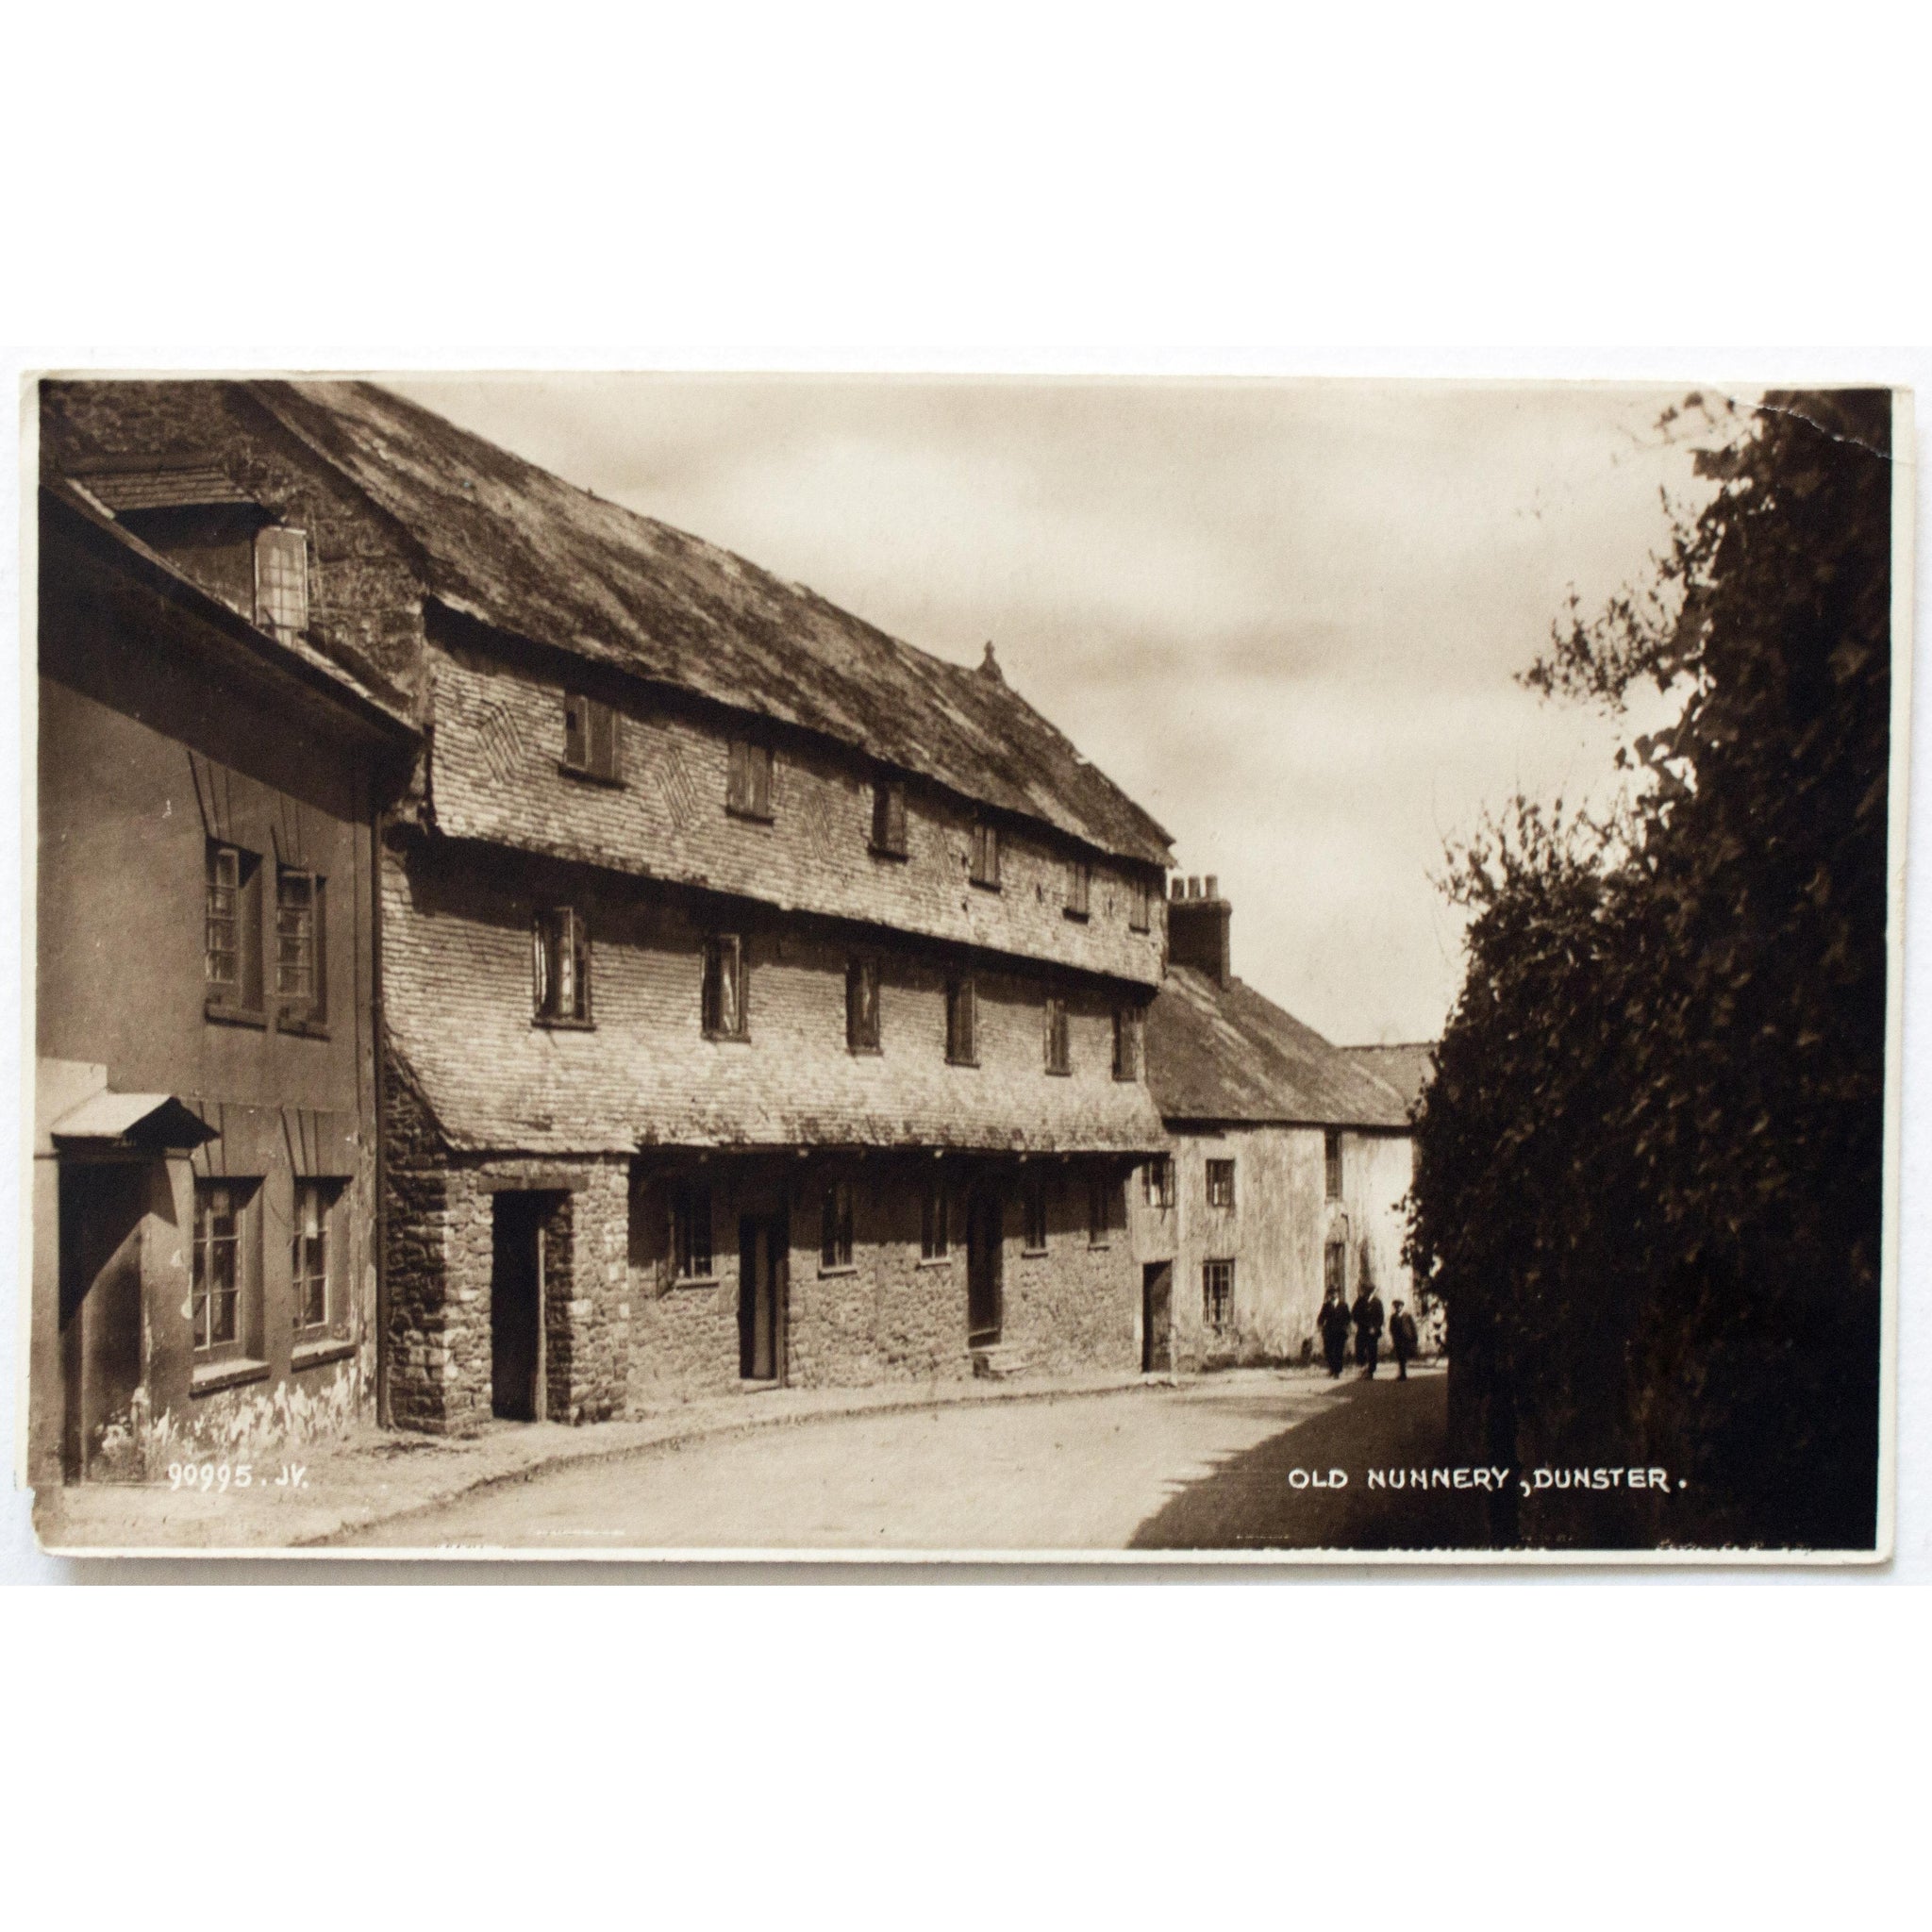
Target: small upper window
point(1103, 1195)
point(1217, 1295)
point(281, 580)
point(301, 953)
point(1331, 1164)
point(590, 738)
point(985, 855)
point(1033, 1237)
point(1058, 1050)
point(1157, 1181)
point(231, 927)
point(834, 1225)
point(1126, 1043)
point(963, 1024)
point(1080, 887)
point(1220, 1184)
point(889, 819)
point(862, 1006)
point(1140, 906)
point(561, 968)
point(748, 787)
point(723, 1006)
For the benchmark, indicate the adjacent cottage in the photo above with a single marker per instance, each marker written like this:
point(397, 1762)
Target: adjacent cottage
point(1286, 1167)
point(205, 1126)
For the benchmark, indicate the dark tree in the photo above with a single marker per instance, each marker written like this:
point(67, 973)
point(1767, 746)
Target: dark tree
point(1649, 1176)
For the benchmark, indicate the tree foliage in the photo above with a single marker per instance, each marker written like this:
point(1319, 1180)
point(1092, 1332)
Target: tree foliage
point(1649, 1167)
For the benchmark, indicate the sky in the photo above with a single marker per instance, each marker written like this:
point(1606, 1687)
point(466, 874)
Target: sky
point(1287, 618)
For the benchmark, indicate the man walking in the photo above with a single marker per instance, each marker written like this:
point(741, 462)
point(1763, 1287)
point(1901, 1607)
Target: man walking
point(1368, 1329)
point(1333, 1323)
point(1401, 1338)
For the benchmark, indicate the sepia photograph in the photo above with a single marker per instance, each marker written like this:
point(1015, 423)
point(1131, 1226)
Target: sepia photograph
point(963, 968)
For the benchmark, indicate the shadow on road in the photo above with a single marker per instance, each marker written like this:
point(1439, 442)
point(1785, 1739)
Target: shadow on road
point(1251, 1502)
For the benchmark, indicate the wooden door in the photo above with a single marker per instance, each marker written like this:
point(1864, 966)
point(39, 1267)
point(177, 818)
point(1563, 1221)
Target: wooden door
point(1156, 1317)
point(518, 1374)
point(985, 1246)
point(761, 1299)
point(102, 1208)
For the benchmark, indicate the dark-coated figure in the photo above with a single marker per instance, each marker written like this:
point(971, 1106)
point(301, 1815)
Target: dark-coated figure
point(1333, 1321)
point(1401, 1338)
point(1368, 1319)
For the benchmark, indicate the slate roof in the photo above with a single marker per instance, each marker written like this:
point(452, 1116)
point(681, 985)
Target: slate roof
point(175, 488)
point(1406, 1068)
point(524, 551)
point(1225, 1053)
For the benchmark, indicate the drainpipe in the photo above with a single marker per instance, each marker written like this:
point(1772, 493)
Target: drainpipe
point(379, 829)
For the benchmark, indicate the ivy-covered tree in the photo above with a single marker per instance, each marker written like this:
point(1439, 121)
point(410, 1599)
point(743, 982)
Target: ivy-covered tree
point(1649, 1168)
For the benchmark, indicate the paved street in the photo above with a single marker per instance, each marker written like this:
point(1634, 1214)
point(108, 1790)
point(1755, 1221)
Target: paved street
point(1209, 1465)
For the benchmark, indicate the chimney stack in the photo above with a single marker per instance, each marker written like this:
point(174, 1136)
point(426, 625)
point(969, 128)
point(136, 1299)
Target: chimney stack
point(1198, 928)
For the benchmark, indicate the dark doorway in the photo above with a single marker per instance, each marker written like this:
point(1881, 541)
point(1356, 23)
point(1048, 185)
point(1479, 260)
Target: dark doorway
point(985, 1253)
point(518, 1372)
point(101, 1212)
point(762, 1245)
point(1156, 1317)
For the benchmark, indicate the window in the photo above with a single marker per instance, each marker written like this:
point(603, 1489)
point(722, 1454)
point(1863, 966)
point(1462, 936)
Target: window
point(1157, 1181)
point(862, 1006)
point(1331, 1161)
point(691, 1233)
point(1103, 1195)
point(311, 1255)
point(590, 738)
point(1217, 1295)
point(834, 1225)
point(962, 1023)
point(561, 968)
point(301, 951)
point(889, 819)
point(1140, 910)
point(748, 788)
point(1335, 1267)
point(232, 929)
point(723, 1006)
point(1220, 1184)
point(1033, 1237)
point(1126, 1043)
point(1059, 1054)
point(217, 1300)
point(985, 855)
point(281, 580)
point(934, 1234)
point(1080, 887)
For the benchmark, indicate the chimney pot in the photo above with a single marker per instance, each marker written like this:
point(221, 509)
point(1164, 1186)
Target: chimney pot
point(1213, 888)
point(1180, 887)
point(1193, 886)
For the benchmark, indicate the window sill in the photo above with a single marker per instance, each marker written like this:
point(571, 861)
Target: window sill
point(209, 1376)
point(678, 1281)
point(843, 1268)
point(557, 1024)
point(952, 1062)
point(984, 885)
point(866, 1053)
point(302, 1026)
point(935, 1261)
point(222, 1014)
point(1079, 918)
point(729, 1038)
point(1034, 1253)
point(313, 1355)
point(1126, 1079)
point(610, 780)
point(1059, 1073)
point(1098, 1247)
point(750, 817)
point(892, 852)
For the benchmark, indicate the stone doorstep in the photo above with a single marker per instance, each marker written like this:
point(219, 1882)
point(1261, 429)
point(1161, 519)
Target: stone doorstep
point(498, 1457)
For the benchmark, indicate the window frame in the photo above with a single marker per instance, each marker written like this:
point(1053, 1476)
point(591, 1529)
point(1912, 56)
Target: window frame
point(1158, 1182)
point(328, 1193)
point(887, 837)
point(1334, 1175)
point(244, 1196)
point(1335, 1267)
point(1217, 1295)
point(862, 1034)
point(750, 781)
point(1128, 1044)
point(712, 1015)
point(1080, 901)
point(983, 855)
point(281, 570)
point(295, 1014)
point(243, 998)
point(1221, 1170)
point(1140, 906)
point(935, 1223)
point(560, 956)
point(691, 1237)
point(1036, 1221)
point(835, 1228)
point(1102, 1222)
point(962, 1000)
point(592, 738)
point(1058, 1037)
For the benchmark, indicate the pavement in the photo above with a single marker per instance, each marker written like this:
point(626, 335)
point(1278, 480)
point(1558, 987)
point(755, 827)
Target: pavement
point(1242, 1460)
